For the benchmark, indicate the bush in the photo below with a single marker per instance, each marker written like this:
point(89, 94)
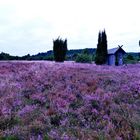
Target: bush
point(84, 58)
point(129, 59)
point(50, 58)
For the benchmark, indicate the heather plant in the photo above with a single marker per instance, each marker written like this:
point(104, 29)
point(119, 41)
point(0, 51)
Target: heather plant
point(55, 120)
point(8, 122)
point(59, 49)
point(36, 127)
point(81, 101)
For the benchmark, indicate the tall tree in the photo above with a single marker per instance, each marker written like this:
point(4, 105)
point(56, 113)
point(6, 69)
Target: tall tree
point(101, 52)
point(59, 49)
point(104, 47)
point(98, 51)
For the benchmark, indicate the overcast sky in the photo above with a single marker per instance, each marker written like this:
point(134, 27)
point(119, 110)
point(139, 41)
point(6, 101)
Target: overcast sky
point(29, 26)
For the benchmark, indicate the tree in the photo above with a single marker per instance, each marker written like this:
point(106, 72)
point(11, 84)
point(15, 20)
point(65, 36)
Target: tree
point(104, 46)
point(101, 52)
point(59, 49)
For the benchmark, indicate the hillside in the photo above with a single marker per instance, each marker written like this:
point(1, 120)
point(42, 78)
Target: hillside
point(69, 101)
point(44, 55)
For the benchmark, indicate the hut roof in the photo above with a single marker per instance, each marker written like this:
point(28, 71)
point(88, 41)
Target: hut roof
point(114, 50)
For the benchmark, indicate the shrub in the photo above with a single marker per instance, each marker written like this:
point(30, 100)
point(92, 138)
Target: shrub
point(129, 59)
point(50, 58)
point(84, 58)
point(59, 49)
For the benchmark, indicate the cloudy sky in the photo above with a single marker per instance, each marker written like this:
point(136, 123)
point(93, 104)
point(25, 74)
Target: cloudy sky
point(29, 26)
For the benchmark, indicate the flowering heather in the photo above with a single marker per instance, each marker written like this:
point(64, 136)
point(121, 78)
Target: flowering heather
point(69, 101)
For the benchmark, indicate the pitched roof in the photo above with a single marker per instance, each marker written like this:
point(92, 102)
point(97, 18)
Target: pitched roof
point(114, 50)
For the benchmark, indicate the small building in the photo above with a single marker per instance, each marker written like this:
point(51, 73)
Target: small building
point(115, 56)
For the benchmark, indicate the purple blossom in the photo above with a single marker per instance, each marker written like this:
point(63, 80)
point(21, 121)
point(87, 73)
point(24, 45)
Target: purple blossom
point(27, 109)
point(82, 99)
point(6, 111)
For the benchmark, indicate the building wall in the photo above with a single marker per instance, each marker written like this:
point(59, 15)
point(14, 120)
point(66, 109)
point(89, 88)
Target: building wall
point(119, 56)
point(120, 59)
point(111, 59)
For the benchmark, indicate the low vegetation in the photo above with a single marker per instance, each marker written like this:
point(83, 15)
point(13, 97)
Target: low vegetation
point(69, 101)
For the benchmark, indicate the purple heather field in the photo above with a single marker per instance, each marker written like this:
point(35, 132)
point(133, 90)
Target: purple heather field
point(69, 101)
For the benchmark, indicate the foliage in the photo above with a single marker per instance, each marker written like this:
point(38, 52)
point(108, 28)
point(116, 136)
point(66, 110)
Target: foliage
point(5, 56)
point(43, 56)
point(84, 58)
point(79, 101)
point(46, 137)
point(71, 55)
point(85, 51)
point(131, 59)
point(26, 57)
point(59, 49)
point(9, 138)
point(101, 52)
point(49, 57)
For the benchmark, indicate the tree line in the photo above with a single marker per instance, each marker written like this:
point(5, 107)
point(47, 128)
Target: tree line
point(60, 53)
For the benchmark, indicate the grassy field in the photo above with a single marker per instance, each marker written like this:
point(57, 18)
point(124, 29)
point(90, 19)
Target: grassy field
point(69, 101)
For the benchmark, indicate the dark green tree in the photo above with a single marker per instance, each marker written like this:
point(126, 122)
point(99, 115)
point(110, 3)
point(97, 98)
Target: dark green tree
point(98, 57)
point(59, 49)
point(104, 47)
point(101, 52)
